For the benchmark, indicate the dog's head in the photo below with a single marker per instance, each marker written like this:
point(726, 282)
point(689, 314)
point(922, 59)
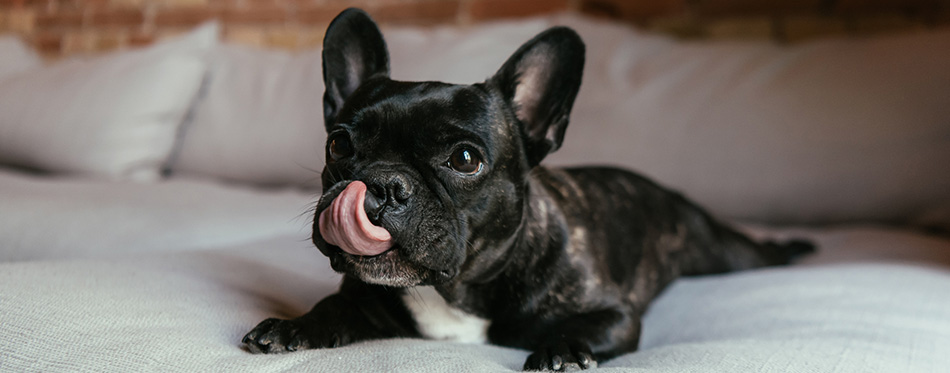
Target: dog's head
point(426, 182)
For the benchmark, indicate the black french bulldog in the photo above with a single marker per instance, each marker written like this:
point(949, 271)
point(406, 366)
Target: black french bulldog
point(444, 225)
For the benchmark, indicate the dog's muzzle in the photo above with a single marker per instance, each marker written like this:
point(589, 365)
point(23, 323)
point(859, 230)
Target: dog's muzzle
point(345, 223)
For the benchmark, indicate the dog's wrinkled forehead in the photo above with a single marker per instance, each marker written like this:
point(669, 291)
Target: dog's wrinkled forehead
point(420, 114)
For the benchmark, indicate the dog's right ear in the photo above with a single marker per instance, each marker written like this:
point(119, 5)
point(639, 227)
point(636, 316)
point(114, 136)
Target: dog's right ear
point(353, 52)
point(540, 81)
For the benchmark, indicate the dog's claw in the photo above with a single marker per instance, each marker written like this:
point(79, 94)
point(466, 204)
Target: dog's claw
point(270, 336)
point(561, 357)
point(274, 336)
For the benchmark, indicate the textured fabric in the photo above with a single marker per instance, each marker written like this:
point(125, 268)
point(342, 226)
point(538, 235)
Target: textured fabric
point(126, 277)
point(260, 120)
point(113, 116)
point(70, 218)
point(848, 318)
point(823, 132)
point(188, 312)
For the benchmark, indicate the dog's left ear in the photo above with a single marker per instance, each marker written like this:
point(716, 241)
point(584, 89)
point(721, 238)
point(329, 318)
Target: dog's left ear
point(540, 81)
point(353, 52)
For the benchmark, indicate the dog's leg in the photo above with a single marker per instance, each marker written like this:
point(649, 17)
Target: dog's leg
point(358, 312)
point(574, 342)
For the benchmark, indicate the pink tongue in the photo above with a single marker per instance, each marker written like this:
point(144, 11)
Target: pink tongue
point(346, 225)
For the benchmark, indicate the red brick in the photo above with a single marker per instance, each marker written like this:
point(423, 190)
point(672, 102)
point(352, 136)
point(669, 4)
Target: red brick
point(807, 27)
point(221, 3)
point(64, 19)
point(47, 43)
point(255, 16)
point(636, 10)
point(745, 27)
point(86, 4)
point(318, 14)
point(309, 37)
point(117, 17)
point(56, 6)
point(756, 7)
point(682, 26)
point(248, 35)
point(493, 9)
point(257, 3)
point(118, 4)
point(887, 6)
point(107, 41)
point(880, 23)
point(139, 39)
point(185, 17)
point(20, 3)
point(424, 12)
point(942, 18)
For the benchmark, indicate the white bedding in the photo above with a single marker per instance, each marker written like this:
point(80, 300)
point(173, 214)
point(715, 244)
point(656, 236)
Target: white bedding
point(173, 309)
point(69, 217)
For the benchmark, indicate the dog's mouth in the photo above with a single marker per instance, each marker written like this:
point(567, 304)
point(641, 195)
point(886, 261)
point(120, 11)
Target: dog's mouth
point(387, 268)
point(345, 224)
point(357, 247)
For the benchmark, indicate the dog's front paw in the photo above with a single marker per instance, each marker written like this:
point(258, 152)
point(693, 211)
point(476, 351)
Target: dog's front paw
point(561, 356)
point(273, 336)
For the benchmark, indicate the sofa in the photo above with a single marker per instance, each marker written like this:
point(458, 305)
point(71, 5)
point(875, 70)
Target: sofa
point(156, 203)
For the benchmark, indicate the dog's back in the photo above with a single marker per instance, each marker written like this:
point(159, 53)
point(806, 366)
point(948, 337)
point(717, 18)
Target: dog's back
point(645, 236)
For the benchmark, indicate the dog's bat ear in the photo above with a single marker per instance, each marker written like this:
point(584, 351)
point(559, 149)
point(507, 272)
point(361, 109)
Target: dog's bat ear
point(353, 52)
point(540, 81)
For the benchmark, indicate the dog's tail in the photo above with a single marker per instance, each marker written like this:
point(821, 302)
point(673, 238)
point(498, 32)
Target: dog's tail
point(786, 252)
point(734, 251)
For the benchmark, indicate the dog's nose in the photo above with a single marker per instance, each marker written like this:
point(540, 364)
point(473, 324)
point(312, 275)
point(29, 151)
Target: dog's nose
point(374, 204)
point(398, 188)
point(386, 191)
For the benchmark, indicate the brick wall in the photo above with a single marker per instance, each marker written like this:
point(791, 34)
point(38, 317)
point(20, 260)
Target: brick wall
point(68, 27)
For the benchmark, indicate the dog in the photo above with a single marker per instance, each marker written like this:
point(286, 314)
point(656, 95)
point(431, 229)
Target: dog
point(445, 226)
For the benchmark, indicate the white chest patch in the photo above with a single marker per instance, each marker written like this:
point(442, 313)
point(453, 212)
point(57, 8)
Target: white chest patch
point(438, 320)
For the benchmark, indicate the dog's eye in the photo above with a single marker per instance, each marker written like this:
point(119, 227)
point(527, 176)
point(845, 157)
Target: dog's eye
point(465, 161)
point(339, 147)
